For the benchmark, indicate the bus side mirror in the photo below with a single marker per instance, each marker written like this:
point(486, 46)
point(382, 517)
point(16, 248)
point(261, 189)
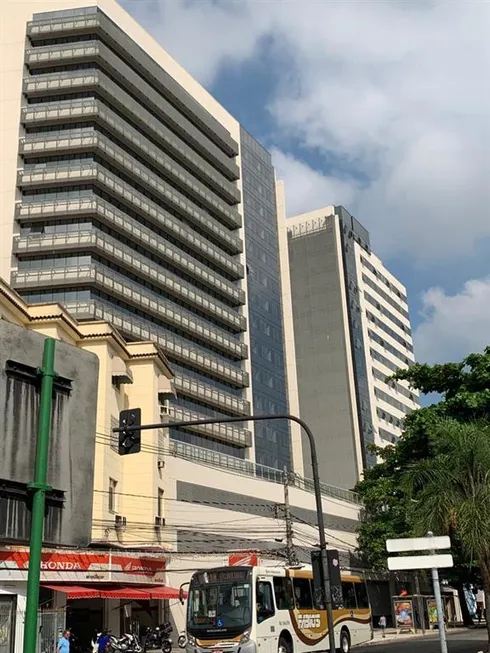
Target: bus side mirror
point(181, 595)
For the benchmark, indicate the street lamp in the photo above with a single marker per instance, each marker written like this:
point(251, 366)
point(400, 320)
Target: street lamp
point(316, 485)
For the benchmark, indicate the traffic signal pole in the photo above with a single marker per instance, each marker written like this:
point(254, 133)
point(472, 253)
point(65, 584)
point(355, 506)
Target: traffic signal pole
point(39, 488)
point(316, 484)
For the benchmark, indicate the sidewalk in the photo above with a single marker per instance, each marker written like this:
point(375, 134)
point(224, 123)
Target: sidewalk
point(392, 634)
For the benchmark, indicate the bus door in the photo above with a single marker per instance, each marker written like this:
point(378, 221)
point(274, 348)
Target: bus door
point(265, 617)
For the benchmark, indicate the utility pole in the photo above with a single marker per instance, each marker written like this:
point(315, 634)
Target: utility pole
point(290, 552)
point(39, 488)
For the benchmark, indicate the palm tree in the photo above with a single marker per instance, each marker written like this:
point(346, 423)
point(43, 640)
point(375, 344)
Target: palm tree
point(451, 492)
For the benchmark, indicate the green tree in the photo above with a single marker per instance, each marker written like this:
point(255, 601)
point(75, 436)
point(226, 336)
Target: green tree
point(451, 491)
point(464, 392)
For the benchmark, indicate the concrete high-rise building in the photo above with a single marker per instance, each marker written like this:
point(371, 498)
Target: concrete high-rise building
point(352, 331)
point(130, 195)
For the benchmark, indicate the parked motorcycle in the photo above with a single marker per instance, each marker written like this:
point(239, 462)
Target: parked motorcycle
point(129, 643)
point(158, 638)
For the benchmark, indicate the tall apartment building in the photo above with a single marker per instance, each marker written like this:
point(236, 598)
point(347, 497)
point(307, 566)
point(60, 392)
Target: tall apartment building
point(130, 195)
point(352, 331)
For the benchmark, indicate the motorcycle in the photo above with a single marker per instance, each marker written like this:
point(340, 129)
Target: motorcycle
point(158, 638)
point(129, 643)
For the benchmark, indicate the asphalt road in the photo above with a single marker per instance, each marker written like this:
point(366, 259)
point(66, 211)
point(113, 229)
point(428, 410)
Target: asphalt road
point(462, 642)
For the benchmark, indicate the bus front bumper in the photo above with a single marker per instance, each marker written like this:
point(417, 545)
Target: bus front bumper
point(249, 646)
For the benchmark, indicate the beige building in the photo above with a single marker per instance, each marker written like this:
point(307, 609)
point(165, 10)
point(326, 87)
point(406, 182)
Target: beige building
point(130, 195)
point(130, 374)
point(352, 331)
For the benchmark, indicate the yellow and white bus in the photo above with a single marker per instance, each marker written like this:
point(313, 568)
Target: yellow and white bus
point(253, 609)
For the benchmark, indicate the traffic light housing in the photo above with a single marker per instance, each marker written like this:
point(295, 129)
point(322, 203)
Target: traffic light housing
point(129, 441)
point(334, 576)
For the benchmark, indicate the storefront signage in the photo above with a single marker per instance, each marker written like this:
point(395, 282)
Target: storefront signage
point(77, 566)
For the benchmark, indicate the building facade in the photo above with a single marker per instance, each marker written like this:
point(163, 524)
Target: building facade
point(155, 516)
point(131, 196)
point(352, 331)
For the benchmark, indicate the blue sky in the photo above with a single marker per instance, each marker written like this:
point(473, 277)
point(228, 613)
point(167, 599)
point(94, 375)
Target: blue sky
point(382, 106)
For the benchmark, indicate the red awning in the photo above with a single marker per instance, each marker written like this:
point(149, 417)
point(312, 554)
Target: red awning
point(127, 592)
point(76, 591)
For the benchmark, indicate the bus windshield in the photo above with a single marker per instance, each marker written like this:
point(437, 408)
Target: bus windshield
point(216, 607)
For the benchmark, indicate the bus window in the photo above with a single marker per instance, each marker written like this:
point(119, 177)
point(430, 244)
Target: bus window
point(265, 602)
point(362, 595)
point(283, 593)
point(302, 593)
point(349, 596)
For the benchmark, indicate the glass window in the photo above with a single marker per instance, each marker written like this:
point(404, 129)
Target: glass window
point(112, 495)
point(265, 603)
point(302, 593)
point(362, 595)
point(349, 595)
point(283, 593)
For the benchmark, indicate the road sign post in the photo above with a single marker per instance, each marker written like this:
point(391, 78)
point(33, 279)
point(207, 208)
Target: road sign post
point(431, 561)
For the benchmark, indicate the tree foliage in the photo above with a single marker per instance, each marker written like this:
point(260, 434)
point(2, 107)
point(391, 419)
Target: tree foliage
point(464, 389)
point(451, 490)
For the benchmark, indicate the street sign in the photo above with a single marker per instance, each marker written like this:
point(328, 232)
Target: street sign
point(434, 561)
point(418, 544)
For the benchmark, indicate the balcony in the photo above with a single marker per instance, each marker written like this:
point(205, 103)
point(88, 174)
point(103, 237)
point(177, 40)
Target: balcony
point(127, 78)
point(120, 42)
point(124, 192)
point(92, 109)
point(91, 141)
point(118, 286)
point(130, 228)
point(138, 264)
point(208, 394)
point(175, 347)
point(54, 142)
point(225, 432)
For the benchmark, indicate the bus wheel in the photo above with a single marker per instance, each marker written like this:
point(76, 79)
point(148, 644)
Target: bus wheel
point(284, 646)
point(345, 641)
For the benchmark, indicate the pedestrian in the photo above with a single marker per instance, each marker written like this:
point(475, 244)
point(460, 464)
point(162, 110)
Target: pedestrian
point(480, 604)
point(64, 643)
point(103, 641)
point(382, 625)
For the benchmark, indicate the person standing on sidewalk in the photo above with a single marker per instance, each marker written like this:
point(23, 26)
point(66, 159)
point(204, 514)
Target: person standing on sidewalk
point(382, 625)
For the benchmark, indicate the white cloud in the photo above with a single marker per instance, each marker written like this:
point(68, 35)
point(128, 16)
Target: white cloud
point(397, 90)
point(454, 325)
point(307, 187)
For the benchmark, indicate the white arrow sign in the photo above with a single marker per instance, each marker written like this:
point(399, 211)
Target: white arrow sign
point(418, 544)
point(404, 563)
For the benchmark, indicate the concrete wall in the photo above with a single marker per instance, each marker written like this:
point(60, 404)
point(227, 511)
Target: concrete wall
point(71, 455)
point(325, 378)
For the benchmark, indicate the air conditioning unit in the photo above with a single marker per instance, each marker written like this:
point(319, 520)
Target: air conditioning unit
point(159, 522)
point(120, 521)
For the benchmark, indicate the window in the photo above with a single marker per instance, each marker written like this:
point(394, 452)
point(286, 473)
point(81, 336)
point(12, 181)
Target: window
point(160, 502)
point(362, 595)
point(283, 593)
point(349, 596)
point(265, 602)
point(112, 495)
point(302, 593)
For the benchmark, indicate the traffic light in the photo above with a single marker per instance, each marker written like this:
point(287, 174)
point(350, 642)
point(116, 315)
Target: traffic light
point(129, 441)
point(319, 581)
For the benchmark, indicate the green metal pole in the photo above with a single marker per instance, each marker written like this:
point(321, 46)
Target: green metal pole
point(39, 489)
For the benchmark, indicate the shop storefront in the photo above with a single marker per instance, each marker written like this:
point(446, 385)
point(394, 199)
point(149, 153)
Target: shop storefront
point(85, 590)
